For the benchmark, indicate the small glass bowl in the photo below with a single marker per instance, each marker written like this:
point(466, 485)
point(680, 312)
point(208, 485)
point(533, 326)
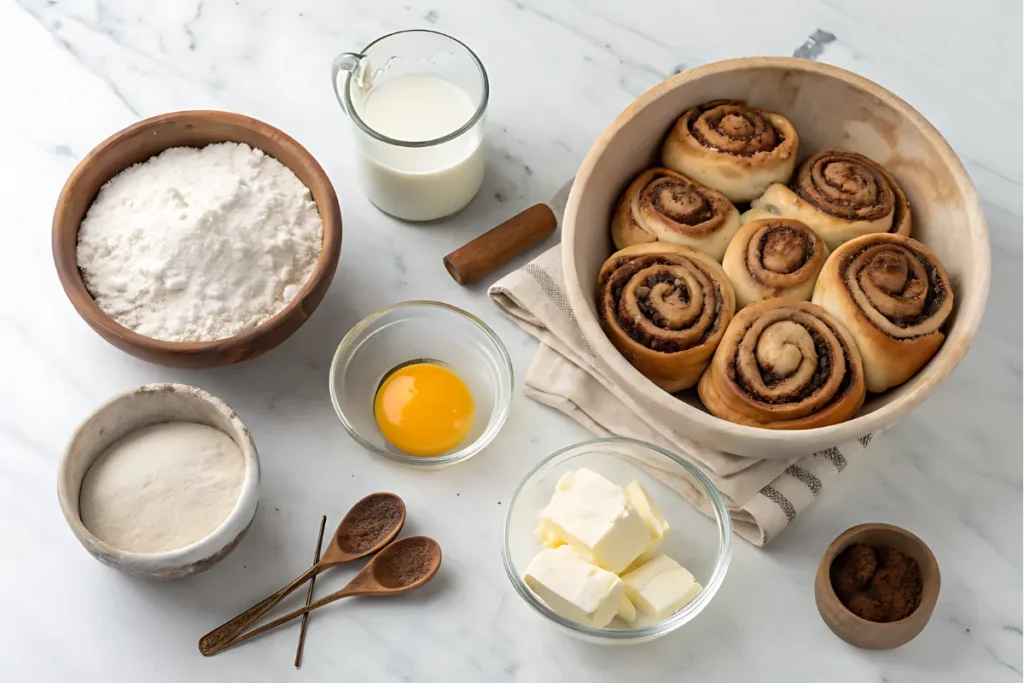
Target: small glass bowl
point(421, 331)
point(702, 546)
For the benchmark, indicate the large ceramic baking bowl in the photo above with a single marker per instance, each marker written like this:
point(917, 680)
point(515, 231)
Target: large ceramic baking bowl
point(831, 108)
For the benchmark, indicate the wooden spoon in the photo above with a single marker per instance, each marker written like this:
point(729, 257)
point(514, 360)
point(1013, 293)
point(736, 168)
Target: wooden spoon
point(370, 525)
point(406, 564)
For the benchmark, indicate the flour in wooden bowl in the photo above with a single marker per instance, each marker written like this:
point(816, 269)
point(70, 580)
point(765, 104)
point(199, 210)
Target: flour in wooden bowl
point(162, 487)
point(202, 244)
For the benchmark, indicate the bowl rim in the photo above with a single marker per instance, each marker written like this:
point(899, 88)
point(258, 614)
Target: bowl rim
point(86, 306)
point(197, 551)
point(970, 311)
point(723, 523)
point(503, 407)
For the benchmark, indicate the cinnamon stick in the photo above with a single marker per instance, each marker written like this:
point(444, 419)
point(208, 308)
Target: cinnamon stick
point(309, 594)
point(500, 244)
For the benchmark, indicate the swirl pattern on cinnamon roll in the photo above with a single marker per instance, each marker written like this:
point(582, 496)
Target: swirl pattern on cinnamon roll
point(662, 205)
point(894, 295)
point(665, 308)
point(774, 258)
point(841, 195)
point(732, 148)
point(784, 364)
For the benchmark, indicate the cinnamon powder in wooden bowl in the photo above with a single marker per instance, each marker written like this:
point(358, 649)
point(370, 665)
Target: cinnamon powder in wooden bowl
point(876, 586)
point(879, 584)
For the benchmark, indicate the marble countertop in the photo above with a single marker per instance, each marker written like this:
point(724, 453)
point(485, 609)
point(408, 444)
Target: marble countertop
point(74, 71)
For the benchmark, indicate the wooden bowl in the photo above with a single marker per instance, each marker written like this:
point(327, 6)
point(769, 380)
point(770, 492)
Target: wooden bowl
point(830, 107)
point(135, 409)
point(138, 143)
point(872, 635)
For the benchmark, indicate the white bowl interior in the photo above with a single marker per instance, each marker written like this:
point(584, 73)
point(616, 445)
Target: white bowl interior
point(148, 405)
point(693, 540)
point(421, 331)
point(830, 108)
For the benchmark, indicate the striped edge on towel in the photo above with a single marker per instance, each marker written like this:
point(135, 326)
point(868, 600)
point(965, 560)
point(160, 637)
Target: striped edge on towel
point(778, 503)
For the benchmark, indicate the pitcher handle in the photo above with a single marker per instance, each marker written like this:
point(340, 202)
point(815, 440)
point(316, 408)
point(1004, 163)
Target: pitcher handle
point(347, 62)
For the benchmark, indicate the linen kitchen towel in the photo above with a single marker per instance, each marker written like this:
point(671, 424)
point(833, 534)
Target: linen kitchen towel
point(764, 496)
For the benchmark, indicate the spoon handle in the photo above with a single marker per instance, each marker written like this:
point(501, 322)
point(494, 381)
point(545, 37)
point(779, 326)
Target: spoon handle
point(356, 587)
point(217, 639)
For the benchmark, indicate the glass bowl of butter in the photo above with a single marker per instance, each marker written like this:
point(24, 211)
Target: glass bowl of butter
point(605, 540)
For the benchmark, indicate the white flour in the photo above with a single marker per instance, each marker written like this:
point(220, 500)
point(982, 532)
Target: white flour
point(162, 487)
point(199, 244)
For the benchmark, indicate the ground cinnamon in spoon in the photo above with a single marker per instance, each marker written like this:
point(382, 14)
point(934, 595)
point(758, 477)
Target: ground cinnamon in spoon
point(370, 521)
point(409, 566)
point(878, 584)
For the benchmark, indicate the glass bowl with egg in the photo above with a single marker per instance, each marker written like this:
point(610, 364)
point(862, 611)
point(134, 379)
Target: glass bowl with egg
point(604, 540)
point(423, 383)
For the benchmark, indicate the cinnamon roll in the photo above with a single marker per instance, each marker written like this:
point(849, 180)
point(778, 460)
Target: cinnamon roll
point(665, 308)
point(662, 205)
point(841, 195)
point(894, 295)
point(784, 364)
point(732, 148)
point(773, 258)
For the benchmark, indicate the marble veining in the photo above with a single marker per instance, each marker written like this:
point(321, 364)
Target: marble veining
point(74, 71)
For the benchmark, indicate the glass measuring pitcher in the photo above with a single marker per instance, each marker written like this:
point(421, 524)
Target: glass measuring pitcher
point(416, 100)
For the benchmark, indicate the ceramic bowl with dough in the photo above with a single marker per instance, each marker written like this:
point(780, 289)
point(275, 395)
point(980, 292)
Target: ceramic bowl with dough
point(124, 413)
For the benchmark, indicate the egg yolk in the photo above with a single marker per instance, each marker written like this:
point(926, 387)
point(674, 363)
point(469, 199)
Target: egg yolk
point(423, 409)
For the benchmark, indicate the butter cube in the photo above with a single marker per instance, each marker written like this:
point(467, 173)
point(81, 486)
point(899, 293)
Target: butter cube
point(565, 482)
point(573, 588)
point(660, 587)
point(656, 522)
point(626, 611)
point(595, 517)
point(547, 537)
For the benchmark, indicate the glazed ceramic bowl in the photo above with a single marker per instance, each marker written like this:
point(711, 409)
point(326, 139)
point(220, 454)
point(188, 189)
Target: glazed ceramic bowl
point(702, 545)
point(124, 413)
point(150, 137)
point(416, 331)
point(831, 108)
point(860, 632)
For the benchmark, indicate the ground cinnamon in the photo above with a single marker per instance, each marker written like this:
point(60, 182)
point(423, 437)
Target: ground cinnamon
point(370, 520)
point(879, 584)
point(409, 566)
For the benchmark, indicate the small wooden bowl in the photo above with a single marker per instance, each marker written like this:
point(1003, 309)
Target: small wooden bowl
point(872, 635)
point(138, 143)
